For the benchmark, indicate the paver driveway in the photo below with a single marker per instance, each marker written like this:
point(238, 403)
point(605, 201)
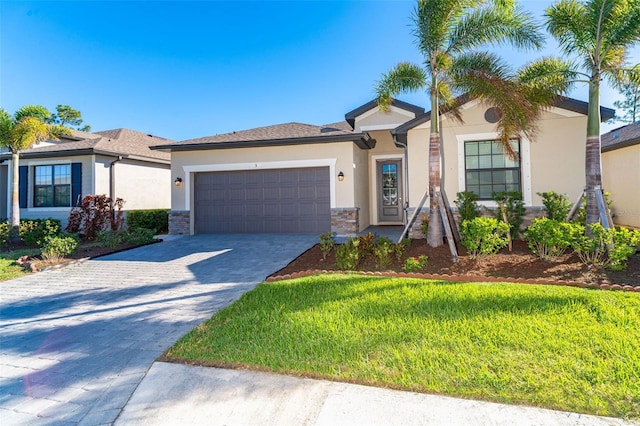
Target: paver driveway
point(75, 342)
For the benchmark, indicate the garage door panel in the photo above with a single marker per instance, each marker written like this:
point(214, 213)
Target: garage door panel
point(260, 201)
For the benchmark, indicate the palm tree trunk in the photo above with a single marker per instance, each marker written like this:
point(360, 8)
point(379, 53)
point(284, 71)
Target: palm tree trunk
point(434, 233)
point(593, 163)
point(15, 197)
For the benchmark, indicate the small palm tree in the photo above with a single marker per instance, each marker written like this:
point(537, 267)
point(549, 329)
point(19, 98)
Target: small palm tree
point(447, 32)
point(598, 33)
point(19, 132)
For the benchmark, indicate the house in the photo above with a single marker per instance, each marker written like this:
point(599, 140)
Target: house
point(370, 169)
point(621, 173)
point(54, 175)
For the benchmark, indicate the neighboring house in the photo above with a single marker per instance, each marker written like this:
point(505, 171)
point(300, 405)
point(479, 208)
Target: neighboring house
point(621, 173)
point(369, 170)
point(55, 175)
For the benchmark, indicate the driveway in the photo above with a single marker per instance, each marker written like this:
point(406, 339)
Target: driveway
point(75, 342)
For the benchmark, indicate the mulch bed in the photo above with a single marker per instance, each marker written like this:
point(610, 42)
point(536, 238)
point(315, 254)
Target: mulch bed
point(519, 265)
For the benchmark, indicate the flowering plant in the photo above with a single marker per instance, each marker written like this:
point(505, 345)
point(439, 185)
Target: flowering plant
point(415, 264)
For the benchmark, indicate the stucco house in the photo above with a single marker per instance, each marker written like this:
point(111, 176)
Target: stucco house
point(54, 175)
point(370, 169)
point(621, 173)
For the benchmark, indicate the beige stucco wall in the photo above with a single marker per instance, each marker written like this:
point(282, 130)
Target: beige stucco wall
point(143, 185)
point(101, 175)
point(339, 156)
point(552, 160)
point(61, 213)
point(621, 177)
point(361, 185)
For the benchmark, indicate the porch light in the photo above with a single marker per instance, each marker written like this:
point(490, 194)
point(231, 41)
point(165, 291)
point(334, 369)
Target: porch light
point(178, 181)
point(340, 176)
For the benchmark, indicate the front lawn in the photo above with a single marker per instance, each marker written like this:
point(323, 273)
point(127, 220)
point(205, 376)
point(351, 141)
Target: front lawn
point(557, 347)
point(9, 269)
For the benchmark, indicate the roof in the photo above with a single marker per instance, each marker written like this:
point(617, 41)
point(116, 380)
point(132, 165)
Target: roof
point(117, 142)
point(351, 115)
point(569, 104)
point(276, 135)
point(621, 137)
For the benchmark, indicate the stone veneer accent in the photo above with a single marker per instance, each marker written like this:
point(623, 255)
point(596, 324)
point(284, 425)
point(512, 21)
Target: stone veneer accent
point(415, 231)
point(345, 221)
point(179, 222)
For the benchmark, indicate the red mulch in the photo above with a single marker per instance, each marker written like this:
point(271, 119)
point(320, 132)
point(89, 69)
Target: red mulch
point(517, 265)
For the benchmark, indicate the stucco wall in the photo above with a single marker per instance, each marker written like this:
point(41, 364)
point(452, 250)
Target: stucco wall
point(552, 160)
point(338, 156)
point(143, 185)
point(4, 193)
point(361, 188)
point(621, 177)
point(391, 118)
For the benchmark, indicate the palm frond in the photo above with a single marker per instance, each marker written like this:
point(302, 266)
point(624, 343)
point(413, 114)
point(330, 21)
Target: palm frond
point(6, 124)
point(548, 76)
point(568, 22)
point(27, 131)
point(404, 77)
point(37, 111)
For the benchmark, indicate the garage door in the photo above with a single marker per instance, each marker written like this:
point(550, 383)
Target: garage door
point(293, 201)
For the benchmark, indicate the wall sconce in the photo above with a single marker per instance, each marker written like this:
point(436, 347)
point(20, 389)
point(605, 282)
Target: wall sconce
point(178, 181)
point(340, 176)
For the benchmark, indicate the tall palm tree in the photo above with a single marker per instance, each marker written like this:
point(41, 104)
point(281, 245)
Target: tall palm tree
point(598, 33)
point(447, 33)
point(19, 132)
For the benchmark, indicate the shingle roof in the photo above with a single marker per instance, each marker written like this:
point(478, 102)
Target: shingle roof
point(621, 137)
point(275, 132)
point(276, 135)
point(115, 142)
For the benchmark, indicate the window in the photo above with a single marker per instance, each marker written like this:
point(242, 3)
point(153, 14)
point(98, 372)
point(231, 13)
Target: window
point(52, 187)
point(489, 169)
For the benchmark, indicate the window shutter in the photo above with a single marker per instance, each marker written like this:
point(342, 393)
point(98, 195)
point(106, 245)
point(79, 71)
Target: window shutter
point(76, 183)
point(23, 183)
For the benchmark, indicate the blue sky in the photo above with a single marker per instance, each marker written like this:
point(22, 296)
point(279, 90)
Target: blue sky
point(183, 70)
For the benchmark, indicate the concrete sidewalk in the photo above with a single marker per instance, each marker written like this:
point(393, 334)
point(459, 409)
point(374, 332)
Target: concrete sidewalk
point(172, 394)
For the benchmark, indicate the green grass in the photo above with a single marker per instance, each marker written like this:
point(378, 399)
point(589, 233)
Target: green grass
point(9, 269)
point(558, 347)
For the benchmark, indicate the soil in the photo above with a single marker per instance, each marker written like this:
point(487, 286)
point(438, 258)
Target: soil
point(518, 265)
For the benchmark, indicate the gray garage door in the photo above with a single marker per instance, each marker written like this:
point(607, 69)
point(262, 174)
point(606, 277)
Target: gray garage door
point(293, 201)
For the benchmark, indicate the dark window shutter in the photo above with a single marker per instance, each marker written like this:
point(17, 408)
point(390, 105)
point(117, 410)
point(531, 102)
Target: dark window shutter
point(76, 183)
point(23, 185)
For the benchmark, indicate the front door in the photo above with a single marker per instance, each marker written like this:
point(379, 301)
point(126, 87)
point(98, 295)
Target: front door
point(389, 191)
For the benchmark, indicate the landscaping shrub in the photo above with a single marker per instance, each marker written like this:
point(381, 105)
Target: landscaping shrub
point(5, 229)
point(556, 205)
point(468, 208)
point(401, 247)
point(95, 213)
point(154, 219)
point(609, 248)
point(549, 238)
point(383, 250)
point(424, 226)
point(484, 235)
point(366, 244)
point(56, 247)
point(415, 264)
point(327, 243)
point(108, 238)
point(139, 236)
point(34, 231)
point(511, 203)
point(347, 255)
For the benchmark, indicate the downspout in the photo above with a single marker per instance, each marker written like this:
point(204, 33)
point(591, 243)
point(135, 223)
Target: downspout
point(112, 178)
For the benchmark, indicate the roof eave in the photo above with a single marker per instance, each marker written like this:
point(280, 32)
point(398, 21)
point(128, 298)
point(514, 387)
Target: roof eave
point(350, 117)
point(358, 138)
point(620, 145)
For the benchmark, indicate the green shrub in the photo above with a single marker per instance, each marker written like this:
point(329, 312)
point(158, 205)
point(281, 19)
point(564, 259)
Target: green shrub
point(327, 243)
point(610, 248)
point(424, 226)
point(581, 213)
point(156, 220)
point(347, 255)
point(57, 247)
point(139, 236)
point(383, 250)
point(401, 247)
point(511, 203)
point(109, 238)
point(5, 230)
point(366, 244)
point(549, 238)
point(484, 235)
point(556, 205)
point(415, 264)
point(34, 231)
point(468, 208)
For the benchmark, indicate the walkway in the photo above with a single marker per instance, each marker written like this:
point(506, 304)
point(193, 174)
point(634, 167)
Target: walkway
point(76, 342)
